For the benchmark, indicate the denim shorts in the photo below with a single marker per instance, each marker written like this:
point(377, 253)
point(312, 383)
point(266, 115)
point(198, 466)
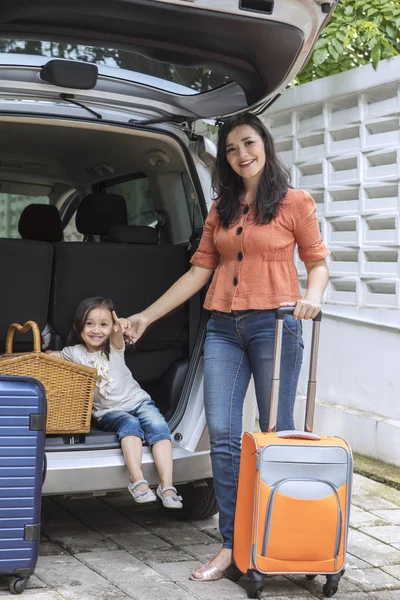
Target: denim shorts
point(145, 421)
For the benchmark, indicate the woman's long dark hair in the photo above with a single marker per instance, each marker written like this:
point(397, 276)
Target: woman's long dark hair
point(81, 314)
point(228, 185)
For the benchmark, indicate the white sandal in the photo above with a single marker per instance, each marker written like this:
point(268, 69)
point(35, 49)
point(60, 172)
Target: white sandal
point(169, 501)
point(141, 496)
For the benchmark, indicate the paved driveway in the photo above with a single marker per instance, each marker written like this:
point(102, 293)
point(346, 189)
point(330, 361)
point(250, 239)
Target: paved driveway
point(108, 549)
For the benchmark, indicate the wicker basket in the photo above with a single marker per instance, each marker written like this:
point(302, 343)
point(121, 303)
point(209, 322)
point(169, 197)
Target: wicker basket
point(69, 387)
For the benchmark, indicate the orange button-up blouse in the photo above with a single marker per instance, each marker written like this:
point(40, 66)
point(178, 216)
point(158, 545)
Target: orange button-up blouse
point(254, 264)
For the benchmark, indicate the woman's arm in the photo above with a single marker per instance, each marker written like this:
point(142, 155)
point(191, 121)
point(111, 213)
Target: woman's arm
point(317, 280)
point(183, 289)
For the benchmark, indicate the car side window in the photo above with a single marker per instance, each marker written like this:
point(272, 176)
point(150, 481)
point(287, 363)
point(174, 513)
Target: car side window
point(138, 197)
point(11, 207)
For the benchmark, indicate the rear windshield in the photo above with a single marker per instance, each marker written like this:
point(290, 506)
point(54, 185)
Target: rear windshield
point(195, 79)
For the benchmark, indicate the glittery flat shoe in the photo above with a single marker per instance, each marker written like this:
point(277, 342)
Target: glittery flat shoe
point(141, 496)
point(169, 501)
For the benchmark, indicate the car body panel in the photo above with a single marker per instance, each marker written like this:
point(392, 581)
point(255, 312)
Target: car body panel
point(248, 56)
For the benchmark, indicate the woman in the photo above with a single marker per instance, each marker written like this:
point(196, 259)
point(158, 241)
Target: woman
point(248, 240)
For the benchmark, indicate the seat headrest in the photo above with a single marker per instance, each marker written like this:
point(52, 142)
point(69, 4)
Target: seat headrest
point(97, 213)
point(40, 222)
point(132, 234)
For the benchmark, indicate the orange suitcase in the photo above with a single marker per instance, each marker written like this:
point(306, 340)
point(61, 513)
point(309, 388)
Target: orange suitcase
point(294, 494)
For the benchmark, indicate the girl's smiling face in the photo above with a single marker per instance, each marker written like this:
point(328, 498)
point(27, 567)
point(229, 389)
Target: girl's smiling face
point(245, 152)
point(97, 328)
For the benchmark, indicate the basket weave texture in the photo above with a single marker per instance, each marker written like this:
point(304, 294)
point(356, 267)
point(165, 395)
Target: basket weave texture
point(69, 387)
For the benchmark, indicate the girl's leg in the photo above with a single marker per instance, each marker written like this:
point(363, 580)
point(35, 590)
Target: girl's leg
point(158, 436)
point(131, 435)
point(260, 334)
point(162, 453)
point(226, 379)
point(131, 446)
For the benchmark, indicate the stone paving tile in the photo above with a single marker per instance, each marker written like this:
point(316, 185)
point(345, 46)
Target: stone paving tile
point(363, 485)
point(110, 521)
point(202, 552)
point(392, 516)
point(370, 580)
point(74, 580)
point(374, 552)
point(370, 502)
point(179, 573)
point(49, 548)
point(60, 527)
point(353, 562)
point(393, 570)
point(275, 587)
point(389, 534)
point(362, 518)
point(388, 595)
point(130, 575)
point(33, 595)
point(80, 505)
point(184, 537)
point(314, 586)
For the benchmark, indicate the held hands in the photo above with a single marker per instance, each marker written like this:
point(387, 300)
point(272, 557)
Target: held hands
point(121, 325)
point(137, 326)
point(305, 308)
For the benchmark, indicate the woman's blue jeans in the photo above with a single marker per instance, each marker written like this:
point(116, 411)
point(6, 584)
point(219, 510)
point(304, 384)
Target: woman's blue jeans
point(237, 345)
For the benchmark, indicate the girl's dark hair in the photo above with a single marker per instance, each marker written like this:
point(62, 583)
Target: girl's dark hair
point(81, 314)
point(228, 186)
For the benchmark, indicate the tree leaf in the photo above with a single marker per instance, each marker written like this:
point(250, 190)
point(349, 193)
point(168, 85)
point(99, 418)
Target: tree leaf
point(348, 10)
point(337, 45)
point(320, 56)
point(333, 52)
point(391, 31)
point(376, 56)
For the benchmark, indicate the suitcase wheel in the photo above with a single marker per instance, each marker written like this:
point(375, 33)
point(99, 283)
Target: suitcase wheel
point(233, 573)
point(332, 584)
point(17, 585)
point(256, 584)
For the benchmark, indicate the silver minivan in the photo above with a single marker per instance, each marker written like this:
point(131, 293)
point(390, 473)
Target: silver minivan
point(100, 104)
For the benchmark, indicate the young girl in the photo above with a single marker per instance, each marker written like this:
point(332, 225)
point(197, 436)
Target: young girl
point(96, 340)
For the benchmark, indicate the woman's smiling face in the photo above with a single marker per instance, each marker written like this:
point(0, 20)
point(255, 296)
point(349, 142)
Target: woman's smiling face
point(245, 152)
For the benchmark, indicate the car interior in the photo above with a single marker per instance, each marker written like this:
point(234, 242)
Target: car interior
point(89, 209)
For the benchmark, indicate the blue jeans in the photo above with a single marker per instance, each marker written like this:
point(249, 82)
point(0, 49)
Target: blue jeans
point(237, 345)
point(144, 421)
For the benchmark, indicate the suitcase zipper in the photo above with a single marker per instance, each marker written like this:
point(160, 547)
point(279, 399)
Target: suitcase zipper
point(270, 507)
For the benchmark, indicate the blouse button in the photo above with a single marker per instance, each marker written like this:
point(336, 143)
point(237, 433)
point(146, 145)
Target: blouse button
point(235, 281)
point(246, 209)
point(239, 230)
point(240, 256)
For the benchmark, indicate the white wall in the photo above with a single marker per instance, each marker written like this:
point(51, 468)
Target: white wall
point(340, 137)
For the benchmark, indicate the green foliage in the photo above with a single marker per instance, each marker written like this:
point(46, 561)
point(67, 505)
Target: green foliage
point(359, 32)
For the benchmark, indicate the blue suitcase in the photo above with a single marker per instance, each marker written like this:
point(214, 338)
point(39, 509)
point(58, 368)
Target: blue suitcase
point(22, 435)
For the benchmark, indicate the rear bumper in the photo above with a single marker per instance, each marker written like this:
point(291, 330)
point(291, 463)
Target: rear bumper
point(82, 472)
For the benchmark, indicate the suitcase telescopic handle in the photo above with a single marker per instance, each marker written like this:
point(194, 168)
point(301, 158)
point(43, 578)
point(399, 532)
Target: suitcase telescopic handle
point(276, 369)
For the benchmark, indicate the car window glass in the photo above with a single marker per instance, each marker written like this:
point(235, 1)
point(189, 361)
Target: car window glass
point(11, 207)
point(71, 234)
point(185, 80)
point(138, 198)
point(196, 218)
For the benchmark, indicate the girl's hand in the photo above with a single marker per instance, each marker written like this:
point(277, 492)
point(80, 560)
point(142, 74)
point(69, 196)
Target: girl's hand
point(305, 309)
point(137, 326)
point(120, 324)
point(54, 353)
